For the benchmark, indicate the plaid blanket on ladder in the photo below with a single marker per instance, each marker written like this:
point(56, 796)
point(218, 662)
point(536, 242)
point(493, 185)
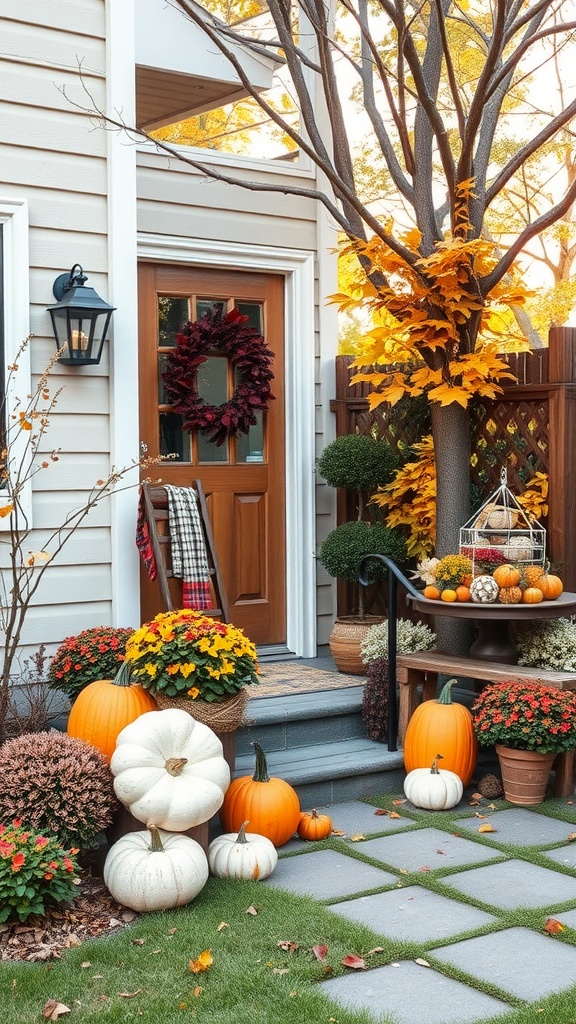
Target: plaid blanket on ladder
point(189, 560)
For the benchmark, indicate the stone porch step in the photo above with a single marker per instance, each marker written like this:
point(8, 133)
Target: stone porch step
point(316, 742)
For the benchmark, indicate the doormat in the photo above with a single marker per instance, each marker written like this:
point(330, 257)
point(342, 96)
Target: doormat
point(282, 677)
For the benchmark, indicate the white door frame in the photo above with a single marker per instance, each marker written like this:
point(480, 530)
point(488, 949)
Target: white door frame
point(297, 267)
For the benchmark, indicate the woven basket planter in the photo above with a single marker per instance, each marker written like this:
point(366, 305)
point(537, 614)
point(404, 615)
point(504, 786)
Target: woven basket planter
point(221, 716)
point(345, 639)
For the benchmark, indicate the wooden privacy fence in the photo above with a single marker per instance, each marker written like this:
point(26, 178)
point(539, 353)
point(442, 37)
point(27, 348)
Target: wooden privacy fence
point(530, 427)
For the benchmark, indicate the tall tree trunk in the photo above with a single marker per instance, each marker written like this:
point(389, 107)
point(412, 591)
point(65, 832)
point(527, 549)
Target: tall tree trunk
point(451, 433)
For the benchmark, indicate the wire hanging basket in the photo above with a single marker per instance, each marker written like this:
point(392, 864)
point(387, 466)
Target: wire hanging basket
point(502, 532)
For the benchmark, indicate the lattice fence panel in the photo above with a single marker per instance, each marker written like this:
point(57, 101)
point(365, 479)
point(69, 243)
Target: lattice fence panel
point(509, 433)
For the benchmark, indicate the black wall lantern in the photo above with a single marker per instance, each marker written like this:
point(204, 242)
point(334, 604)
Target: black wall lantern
point(80, 319)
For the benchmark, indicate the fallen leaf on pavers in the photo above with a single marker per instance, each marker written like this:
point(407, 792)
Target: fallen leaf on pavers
point(252, 911)
point(424, 868)
point(477, 815)
point(487, 828)
point(476, 796)
point(222, 925)
point(357, 838)
point(286, 944)
point(398, 803)
point(320, 952)
point(204, 961)
point(443, 852)
point(377, 949)
point(381, 811)
point(421, 962)
point(130, 995)
point(53, 1009)
point(553, 926)
point(571, 837)
point(338, 832)
point(394, 814)
point(356, 963)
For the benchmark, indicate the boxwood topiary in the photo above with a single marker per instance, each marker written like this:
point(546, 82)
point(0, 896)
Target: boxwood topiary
point(358, 462)
point(344, 547)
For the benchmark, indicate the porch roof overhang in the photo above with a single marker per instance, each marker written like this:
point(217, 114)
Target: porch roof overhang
point(181, 73)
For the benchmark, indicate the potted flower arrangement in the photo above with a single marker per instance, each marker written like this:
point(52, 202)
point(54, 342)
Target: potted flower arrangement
point(93, 654)
point(195, 662)
point(529, 724)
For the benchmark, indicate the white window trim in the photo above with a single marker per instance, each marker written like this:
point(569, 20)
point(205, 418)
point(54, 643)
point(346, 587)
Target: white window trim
point(14, 220)
point(297, 267)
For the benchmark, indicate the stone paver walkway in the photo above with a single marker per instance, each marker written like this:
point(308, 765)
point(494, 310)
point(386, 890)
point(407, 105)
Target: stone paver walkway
point(449, 892)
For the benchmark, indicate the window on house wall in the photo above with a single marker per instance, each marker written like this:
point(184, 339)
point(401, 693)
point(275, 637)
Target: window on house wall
point(14, 329)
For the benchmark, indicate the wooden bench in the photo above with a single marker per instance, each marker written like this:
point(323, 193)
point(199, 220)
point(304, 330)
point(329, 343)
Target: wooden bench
point(417, 677)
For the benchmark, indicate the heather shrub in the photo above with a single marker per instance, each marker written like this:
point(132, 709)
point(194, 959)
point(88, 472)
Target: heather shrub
point(57, 784)
point(34, 870)
point(375, 700)
point(93, 654)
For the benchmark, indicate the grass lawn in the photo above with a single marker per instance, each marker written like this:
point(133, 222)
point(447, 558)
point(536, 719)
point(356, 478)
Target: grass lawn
point(264, 970)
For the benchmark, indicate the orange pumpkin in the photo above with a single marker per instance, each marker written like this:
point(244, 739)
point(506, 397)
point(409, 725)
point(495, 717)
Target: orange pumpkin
point(314, 826)
point(550, 585)
point(449, 595)
point(462, 593)
point(532, 595)
point(270, 805)
point(432, 593)
point(104, 707)
point(439, 726)
point(506, 576)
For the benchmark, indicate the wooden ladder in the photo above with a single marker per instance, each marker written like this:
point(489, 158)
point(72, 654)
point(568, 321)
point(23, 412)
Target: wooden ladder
point(156, 511)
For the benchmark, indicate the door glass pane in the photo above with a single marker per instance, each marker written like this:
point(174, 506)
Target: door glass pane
point(173, 440)
point(253, 310)
point(213, 388)
point(172, 314)
point(250, 446)
point(207, 305)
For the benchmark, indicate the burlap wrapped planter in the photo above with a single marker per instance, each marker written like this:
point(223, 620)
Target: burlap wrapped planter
point(221, 716)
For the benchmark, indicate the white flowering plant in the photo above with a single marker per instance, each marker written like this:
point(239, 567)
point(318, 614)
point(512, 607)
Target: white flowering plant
point(410, 636)
point(549, 643)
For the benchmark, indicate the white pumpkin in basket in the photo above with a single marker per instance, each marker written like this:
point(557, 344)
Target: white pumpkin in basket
point(519, 549)
point(484, 590)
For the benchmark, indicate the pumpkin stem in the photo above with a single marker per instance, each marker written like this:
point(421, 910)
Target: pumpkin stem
point(446, 694)
point(314, 813)
point(123, 676)
point(241, 837)
point(174, 765)
point(261, 770)
point(155, 841)
point(434, 769)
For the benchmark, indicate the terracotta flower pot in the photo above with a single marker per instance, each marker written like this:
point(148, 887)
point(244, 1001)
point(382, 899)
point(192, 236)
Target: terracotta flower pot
point(347, 634)
point(524, 774)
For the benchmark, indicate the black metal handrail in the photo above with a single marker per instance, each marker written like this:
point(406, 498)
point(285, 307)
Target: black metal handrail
point(395, 576)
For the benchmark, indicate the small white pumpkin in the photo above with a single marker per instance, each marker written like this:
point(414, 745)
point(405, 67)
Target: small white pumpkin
point(433, 789)
point(246, 855)
point(155, 870)
point(483, 590)
point(169, 769)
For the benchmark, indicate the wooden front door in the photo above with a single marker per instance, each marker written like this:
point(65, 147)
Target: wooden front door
point(243, 479)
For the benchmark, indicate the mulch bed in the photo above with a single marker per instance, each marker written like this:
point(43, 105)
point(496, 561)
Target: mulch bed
point(93, 913)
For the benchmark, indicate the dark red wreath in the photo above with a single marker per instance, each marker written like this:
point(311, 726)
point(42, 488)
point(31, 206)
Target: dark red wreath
point(250, 358)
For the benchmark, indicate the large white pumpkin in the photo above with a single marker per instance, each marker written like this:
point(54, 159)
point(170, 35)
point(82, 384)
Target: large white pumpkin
point(155, 870)
point(169, 770)
point(246, 855)
point(433, 789)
